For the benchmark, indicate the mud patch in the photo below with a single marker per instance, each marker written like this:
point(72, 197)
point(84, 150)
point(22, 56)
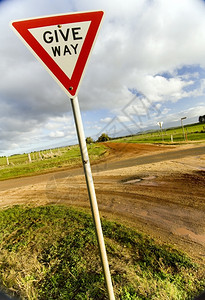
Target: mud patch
point(201, 173)
point(200, 238)
point(196, 178)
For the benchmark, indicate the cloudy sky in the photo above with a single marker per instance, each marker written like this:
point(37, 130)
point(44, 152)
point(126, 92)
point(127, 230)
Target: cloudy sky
point(148, 65)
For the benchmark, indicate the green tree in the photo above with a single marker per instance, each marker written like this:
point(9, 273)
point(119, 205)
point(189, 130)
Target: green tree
point(89, 140)
point(202, 119)
point(103, 138)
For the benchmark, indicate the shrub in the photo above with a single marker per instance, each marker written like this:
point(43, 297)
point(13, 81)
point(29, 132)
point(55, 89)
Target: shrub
point(103, 138)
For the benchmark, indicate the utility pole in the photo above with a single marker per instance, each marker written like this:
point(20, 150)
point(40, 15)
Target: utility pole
point(183, 126)
point(160, 125)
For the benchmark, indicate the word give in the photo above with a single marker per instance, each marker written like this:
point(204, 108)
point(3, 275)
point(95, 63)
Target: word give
point(60, 36)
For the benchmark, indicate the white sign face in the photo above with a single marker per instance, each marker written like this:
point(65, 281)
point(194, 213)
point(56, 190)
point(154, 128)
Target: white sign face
point(63, 43)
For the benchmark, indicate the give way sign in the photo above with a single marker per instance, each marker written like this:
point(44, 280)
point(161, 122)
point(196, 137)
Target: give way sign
point(62, 43)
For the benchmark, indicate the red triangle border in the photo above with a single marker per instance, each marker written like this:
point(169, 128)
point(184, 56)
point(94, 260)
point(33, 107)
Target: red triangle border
point(23, 26)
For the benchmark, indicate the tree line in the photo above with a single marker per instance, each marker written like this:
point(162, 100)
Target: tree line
point(103, 138)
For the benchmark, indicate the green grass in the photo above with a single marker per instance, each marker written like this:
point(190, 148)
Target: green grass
point(193, 132)
point(50, 252)
point(52, 160)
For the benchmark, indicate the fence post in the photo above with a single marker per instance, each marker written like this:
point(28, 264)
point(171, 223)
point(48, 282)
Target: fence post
point(29, 157)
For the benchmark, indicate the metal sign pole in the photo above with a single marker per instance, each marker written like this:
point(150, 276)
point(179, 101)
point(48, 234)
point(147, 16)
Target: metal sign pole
point(92, 195)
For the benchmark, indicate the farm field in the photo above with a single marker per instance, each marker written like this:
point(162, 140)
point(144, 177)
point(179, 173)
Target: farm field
point(47, 160)
point(192, 132)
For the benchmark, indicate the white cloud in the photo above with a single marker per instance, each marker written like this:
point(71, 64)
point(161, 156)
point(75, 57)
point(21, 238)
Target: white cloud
point(195, 111)
point(165, 111)
point(56, 134)
point(123, 119)
point(138, 41)
point(106, 120)
point(162, 89)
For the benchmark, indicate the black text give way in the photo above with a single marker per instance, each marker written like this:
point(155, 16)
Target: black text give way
point(59, 36)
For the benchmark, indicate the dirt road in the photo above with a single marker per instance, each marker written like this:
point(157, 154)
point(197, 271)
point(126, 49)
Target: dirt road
point(121, 156)
point(157, 189)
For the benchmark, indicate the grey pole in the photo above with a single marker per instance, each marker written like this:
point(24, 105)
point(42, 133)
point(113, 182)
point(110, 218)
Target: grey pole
point(183, 126)
point(92, 196)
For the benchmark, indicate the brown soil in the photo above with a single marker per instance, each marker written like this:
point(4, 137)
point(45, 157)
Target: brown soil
point(162, 199)
point(126, 150)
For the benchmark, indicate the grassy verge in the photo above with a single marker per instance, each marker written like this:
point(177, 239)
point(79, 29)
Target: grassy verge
point(50, 252)
point(52, 160)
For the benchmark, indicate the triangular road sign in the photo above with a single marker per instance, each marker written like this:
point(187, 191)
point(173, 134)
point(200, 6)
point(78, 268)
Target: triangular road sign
point(62, 43)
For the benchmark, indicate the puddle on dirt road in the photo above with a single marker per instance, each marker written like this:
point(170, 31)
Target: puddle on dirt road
point(142, 181)
point(133, 181)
